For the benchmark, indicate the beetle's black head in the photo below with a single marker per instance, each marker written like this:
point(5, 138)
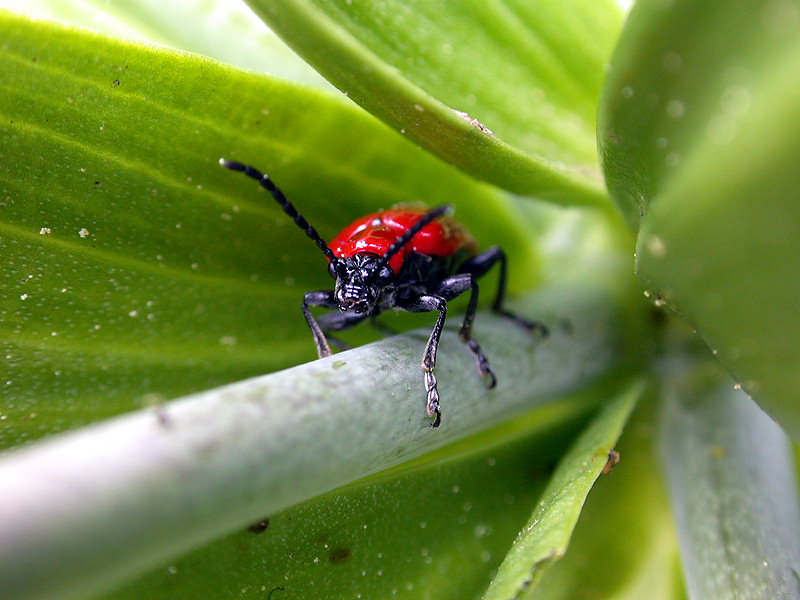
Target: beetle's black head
point(358, 284)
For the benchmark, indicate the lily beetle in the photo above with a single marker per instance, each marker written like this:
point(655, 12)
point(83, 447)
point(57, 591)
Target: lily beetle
point(406, 258)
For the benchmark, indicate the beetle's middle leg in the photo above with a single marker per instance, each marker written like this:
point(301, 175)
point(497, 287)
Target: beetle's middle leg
point(478, 265)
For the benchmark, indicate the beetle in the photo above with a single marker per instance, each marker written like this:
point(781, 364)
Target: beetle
point(406, 258)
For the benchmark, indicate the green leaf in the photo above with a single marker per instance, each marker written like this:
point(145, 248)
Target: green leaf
point(531, 76)
point(400, 534)
point(546, 536)
point(186, 276)
point(226, 31)
point(624, 546)
point(699, 139)
point(732, 480)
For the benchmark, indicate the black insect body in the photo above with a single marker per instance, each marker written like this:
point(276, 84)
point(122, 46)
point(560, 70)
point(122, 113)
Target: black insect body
point(403, 259)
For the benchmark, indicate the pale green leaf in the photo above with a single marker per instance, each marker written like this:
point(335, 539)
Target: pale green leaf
point(731, 476)
point(530, 74)
point(401, 534)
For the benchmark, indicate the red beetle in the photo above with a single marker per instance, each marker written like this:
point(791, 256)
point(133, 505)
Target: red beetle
point(406, 258)
point(375, 233)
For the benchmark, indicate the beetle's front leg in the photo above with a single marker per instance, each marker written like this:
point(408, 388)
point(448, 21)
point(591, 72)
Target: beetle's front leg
point(426, 304)
point(325, 299)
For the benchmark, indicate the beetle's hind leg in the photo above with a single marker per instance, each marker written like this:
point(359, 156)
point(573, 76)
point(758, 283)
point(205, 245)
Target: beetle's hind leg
point(449, 289)
point(478, 265)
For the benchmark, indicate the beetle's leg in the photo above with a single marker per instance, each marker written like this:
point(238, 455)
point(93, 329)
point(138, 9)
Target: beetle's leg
point(479, 265)
point(325, 299)
point(449, 289)
point(427, 304)
point(338, 321)
point(340, 344)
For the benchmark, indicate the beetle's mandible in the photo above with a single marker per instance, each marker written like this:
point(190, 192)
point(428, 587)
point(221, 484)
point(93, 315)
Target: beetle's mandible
point(403, 259)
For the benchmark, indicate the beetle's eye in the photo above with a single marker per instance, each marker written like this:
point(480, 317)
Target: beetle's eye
point(332, 268)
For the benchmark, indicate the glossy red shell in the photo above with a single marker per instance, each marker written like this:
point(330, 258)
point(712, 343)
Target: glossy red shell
point(376, 232)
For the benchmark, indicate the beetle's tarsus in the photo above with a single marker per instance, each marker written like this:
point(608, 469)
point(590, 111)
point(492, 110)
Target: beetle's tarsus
point(530, 326)
point(433, 396)
point(492, 378)
point(481, 362)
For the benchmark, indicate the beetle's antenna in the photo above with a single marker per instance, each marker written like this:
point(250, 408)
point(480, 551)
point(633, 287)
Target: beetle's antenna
point(287, 206)
point(404, 239)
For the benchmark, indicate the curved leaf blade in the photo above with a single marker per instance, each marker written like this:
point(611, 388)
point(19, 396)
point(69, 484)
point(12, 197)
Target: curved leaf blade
point(399, 534)
point(624, 546)
point(681, 78)
point(700, 139)
point(542, 116)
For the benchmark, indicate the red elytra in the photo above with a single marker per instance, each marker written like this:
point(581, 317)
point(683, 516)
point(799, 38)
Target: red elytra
point(374, 233)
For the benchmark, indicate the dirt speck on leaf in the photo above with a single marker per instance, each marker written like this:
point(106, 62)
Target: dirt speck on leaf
point(473, 122)
point(339, 555)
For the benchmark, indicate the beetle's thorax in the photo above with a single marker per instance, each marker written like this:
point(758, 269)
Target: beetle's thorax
point(358, 287)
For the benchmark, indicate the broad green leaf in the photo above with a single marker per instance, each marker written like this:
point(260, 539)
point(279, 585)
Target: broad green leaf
point(545, 538)
point(401, 534)
point(699, 138)
point(224, 30)
point(529, 73)
point(135, 268)
point(624, 546)
point(731, 476)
